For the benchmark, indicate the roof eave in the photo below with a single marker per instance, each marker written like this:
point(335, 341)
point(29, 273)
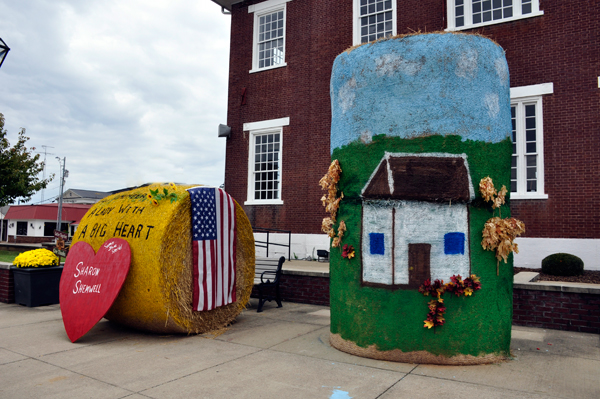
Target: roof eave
point(226, 4)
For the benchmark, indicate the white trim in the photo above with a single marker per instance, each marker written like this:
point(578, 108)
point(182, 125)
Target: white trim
point(531, 90)
point(261, 128)
point(533, 196)
point(254, 70)
point(259, 10)
point(517, 15)
point(266, 124)
point(263, 202)
point(266, 5)
point(522, 193)
point(356, 20)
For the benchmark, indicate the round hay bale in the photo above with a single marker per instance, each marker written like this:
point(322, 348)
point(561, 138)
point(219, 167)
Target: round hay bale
point(157, 294)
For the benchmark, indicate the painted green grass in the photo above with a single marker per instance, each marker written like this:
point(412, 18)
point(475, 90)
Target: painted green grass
point(475, 325)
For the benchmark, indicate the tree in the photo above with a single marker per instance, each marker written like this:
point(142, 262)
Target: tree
point(19, 169)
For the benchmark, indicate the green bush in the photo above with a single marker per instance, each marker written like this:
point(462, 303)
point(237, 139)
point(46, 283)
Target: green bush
point(562, 265)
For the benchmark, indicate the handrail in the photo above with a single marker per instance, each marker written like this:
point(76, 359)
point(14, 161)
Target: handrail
point(265, 244)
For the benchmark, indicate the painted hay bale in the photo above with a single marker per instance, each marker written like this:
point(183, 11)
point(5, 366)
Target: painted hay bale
point(157, 294)
point(417, 122)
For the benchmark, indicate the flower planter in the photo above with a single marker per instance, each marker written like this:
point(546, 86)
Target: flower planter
point(37, 286)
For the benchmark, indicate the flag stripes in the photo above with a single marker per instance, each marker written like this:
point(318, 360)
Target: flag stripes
point(213, 248)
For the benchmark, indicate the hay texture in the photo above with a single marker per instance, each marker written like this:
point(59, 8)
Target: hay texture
point(419, 357)
point(157, 294)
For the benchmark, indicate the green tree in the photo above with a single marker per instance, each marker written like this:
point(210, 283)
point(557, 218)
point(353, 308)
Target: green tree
point(19, 169)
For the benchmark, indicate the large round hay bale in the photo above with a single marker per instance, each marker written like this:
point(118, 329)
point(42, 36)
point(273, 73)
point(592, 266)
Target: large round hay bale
point(157, 294)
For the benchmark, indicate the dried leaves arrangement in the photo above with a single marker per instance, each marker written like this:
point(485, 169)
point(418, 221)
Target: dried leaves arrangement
point(499, 234)
point(457, 286)
point(331, 202)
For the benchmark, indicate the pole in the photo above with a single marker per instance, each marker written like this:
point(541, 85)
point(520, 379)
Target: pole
point(62, 185)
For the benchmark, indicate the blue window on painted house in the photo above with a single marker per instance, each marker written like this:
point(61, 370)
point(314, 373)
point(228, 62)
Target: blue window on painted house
point(377, 243)
point(454, 243)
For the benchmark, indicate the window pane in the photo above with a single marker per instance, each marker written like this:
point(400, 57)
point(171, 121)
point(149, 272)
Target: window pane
point(530, 110)
point(531, 173)
point(531, 160)
point(531, 186)
point(530, 135)
point(265, 175)
point(526, 6)
point(530, 147)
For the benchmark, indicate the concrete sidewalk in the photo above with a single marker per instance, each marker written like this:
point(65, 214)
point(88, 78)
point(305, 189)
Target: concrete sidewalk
point(280, 353)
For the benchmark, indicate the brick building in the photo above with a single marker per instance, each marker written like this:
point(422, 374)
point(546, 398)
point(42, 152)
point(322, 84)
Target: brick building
point(280, 63)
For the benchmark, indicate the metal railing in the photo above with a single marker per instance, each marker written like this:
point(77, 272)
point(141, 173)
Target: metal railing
point(265, 244)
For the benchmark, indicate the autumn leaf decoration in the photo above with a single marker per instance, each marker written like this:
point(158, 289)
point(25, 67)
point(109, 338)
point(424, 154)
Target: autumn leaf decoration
point(331, 202)
point(348, 251)
point(457, 286)
point(499, 234)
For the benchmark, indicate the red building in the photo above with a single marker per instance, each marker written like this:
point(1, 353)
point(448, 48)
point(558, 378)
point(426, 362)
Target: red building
point(280, 63)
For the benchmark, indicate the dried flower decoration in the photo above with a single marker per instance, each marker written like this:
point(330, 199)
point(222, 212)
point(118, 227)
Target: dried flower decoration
point(499, 234)
point(348, 251)
point(331, 202)
point(457, 286)
point(489, 193)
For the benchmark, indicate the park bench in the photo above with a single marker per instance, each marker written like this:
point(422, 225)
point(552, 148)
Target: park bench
point(266, 279)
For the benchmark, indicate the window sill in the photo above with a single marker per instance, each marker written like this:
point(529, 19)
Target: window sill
point(255, 70)
point(501, 21)
point(264, 202)
point(528, 196)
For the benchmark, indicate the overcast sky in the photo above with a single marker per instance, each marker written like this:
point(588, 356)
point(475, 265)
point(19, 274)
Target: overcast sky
point(129, 91)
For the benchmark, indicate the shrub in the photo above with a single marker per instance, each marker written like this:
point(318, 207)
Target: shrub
point(562, 265)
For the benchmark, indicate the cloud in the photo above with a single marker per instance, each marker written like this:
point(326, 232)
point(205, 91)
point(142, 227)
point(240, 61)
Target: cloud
point(128, 91)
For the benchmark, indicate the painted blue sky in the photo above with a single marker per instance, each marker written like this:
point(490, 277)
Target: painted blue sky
point(129, 91)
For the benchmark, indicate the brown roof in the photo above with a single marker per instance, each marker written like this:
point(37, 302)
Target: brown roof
point(420, 178)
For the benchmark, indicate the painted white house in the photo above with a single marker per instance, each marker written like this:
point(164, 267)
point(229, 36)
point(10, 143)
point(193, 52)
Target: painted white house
point(415, 220)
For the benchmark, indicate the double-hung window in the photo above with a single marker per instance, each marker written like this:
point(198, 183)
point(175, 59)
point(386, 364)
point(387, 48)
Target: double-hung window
point(527, 168)
point(264, 161)
point(374, 19)
point(467, 14)
point(269, 35)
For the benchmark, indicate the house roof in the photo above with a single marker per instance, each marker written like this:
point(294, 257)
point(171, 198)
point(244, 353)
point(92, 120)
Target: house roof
point(227, 3)
point(73, 192)
point(70, 212)
point(421, 177)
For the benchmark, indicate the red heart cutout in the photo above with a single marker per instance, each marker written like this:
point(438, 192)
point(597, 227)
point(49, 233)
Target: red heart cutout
point(90, 283)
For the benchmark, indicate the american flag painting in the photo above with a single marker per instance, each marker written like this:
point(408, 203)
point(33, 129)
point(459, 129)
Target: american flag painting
point(213, 247)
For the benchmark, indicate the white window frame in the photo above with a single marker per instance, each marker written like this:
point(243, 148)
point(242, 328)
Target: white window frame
point(468, 13)
point(356, 23)
point(257, 129)
point(259, 10)
point(519, 97)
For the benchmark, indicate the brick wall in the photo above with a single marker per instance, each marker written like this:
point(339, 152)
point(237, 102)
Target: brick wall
point(558, 47)
point(542, 309)
point(303, 289)
point(561, 47)
point(557, 310)
point(29, 240)
point(7, 286)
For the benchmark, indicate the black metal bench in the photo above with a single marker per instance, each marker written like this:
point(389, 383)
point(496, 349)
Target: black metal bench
point(266, 279)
